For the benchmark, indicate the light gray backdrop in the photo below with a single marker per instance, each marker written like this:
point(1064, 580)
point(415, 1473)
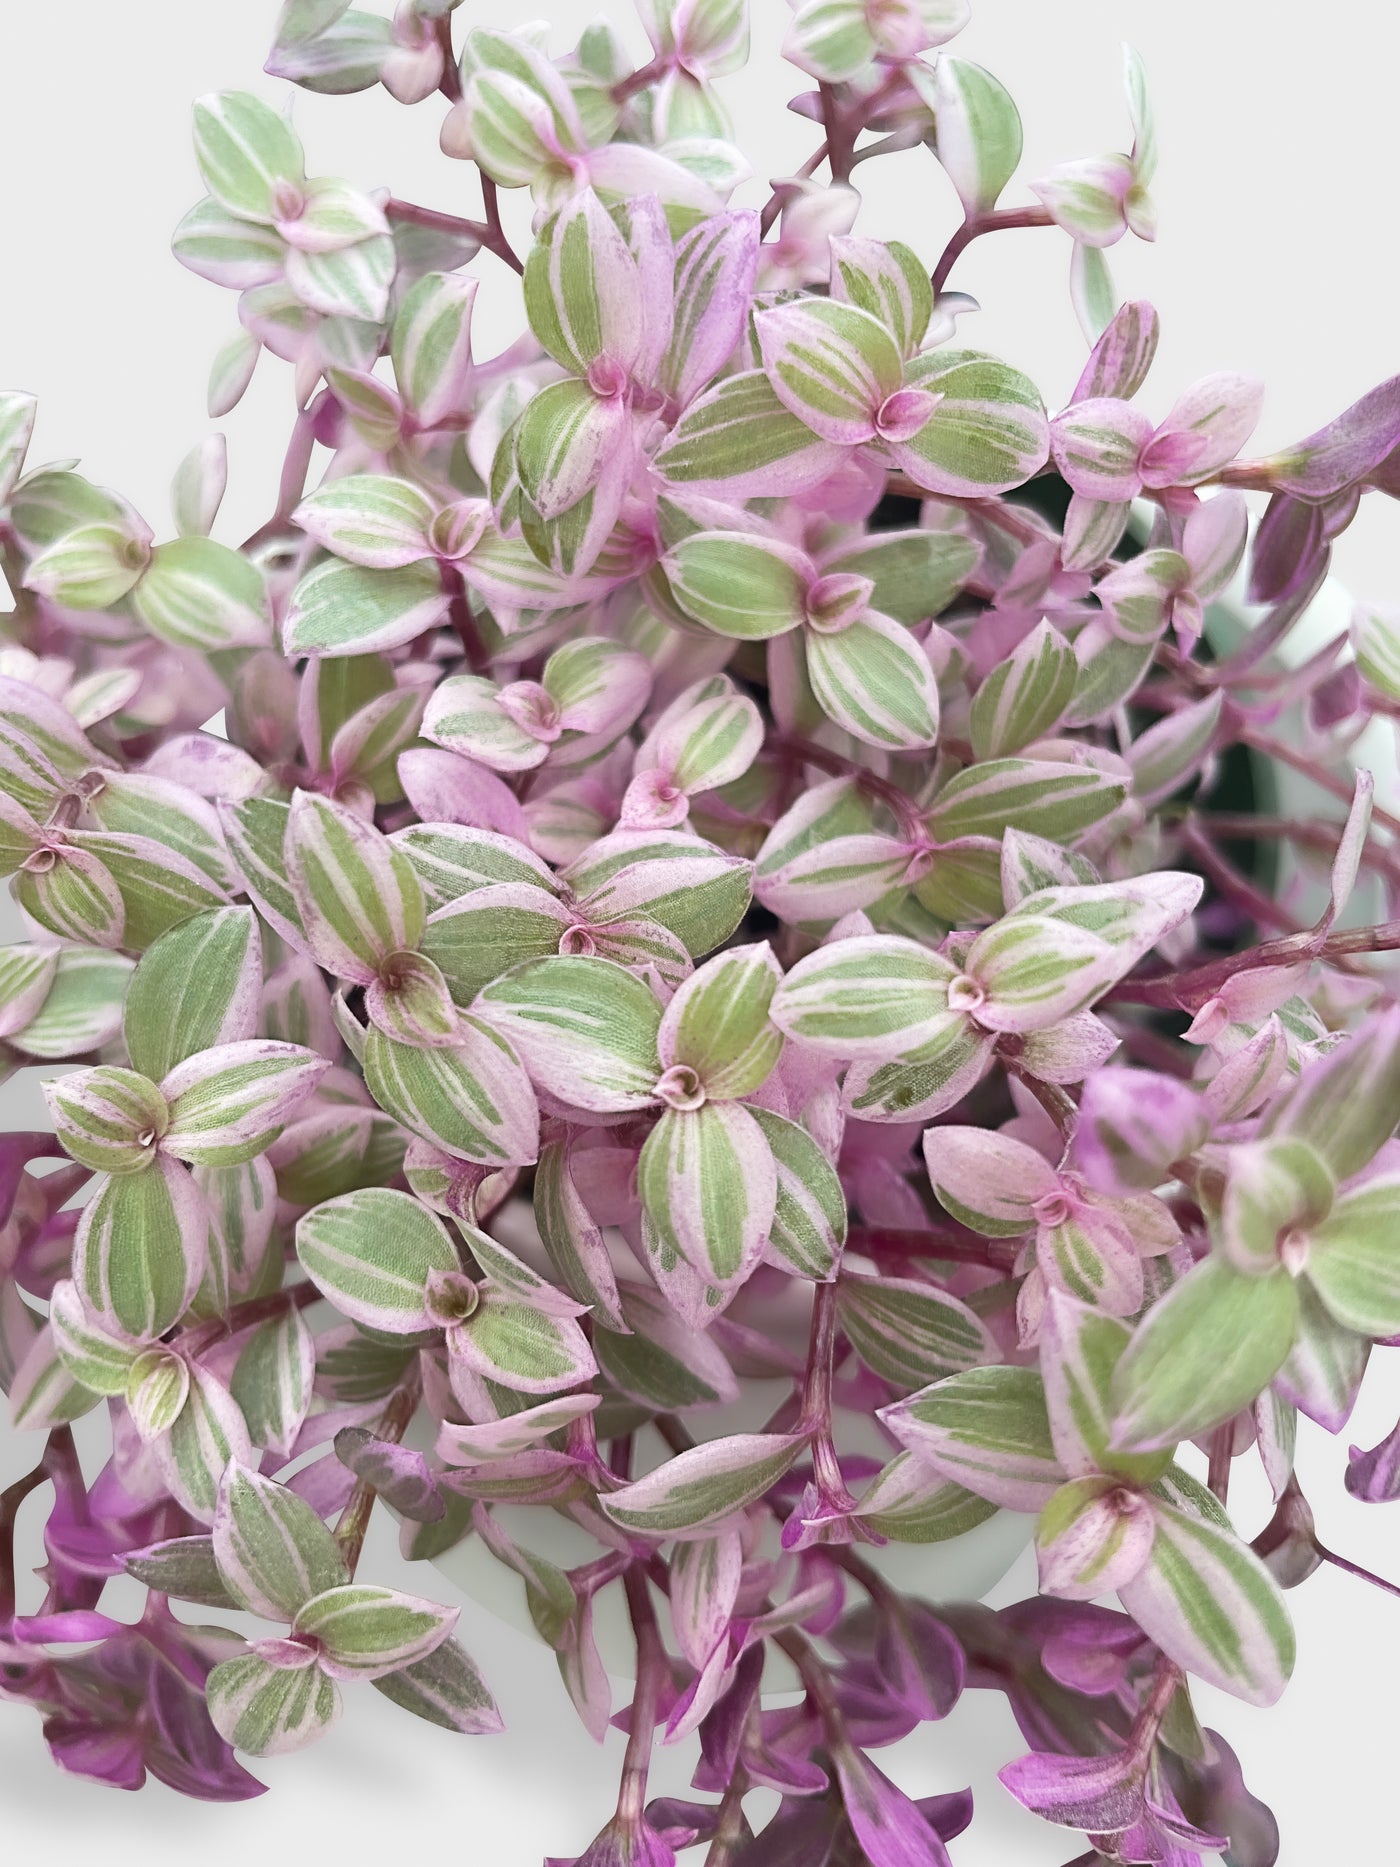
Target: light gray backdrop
point(1276, 256)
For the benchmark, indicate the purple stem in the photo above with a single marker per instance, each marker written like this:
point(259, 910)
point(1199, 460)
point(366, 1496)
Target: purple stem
point(976, 225)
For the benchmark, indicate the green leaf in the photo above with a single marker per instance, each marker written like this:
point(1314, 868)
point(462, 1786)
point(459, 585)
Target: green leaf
point(347, 609)
point(1024, 696)
point(183, 1567)
point(585, 1030)
point(370, 519)
point(196, 987)
point(743, 586)
point(93, 1358)
point(267, 1710)
point(256, 831)
point(663, 1363)
point(915, 574)
point(924, 1081)
point(444, 1688)
point(93, 566)
point(371, 1254)
point(207, 1436)
point(572, 1239)
point(697, 892)
point(244, 150)
point(907, 1331)
point(83, 1009)
point(1202, 1353)
point(17, 412)
point(272, 1380)
point(158, 887)
point(1272, 1188)
point(1353, 1263)
point(808, 1232)
point(887, 281)
point(703, 1485)
point(986, 1429)
point(526, 1349)
point(273, 1551)
point(1347, 1104)
point(157, 811)
point(431, 344)
point(363, 1630)
point(482, 936)
point(1083, 1348)
point(873, 679)
point(139, 1250)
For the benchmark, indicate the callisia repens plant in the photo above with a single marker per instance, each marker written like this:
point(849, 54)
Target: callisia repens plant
point(708, 870)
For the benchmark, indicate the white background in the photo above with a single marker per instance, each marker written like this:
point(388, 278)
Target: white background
point(1276, 256)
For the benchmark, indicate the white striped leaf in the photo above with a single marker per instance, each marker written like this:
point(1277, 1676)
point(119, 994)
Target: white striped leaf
point(269, 1710)
point(109, 1119)
point(372, 409)
point(585, 1029)
point(370, 519)
point(525, 1348)
point(347, 609)
point(1323, 1370)
point(887, 281)
point(371, 1254)
point(872, 997)
point(716, 263)
point(1375, 641)
point(198, 488)
point(158, 886)
point(833, 878)
point(1347, 1103)
point(256, 832)
point(74, 897)
point(1025, 696)
point(708, 737)
point(17, 412)
point(272, 1378)
point(583, 292)
point(1093, 528)
point(704, 1485)
point(987, 1181)
point(451, 860)
point(565, 443)
point(978, 131)
point(350, 282)
point(1082, 1350)
point(986, 1429)
point(163, 811)
point(356, 894)
point(273, 1551)
point(98, 1361)
point(228, 1104)
point(686, 885)
point(1036, 971)
point(208, 1435)
point(740, 441)
point(907, 1331)
point(83, 1009)
point(140, 1248)
point(1164, 757)
point(230, 373)
point(93, 566)
point(718, 1026)
point(831, 364)
point(431, 345)
point(708, 1185)
point(1093, 1537)
point(987, 433)
point(196, 987)
point(361, 1630)
point(572, 1239)
point(480, 937)
point(196, 593)
point(808, 1231)
point(229, 251)
point(1048, 799)
point(495, 1439)
point(244, 149)
point(933, 1077)
point(1096, 443)
point(1202, 1353)
point(909, 1502)
point(42, 1393)
point(471, 1098)
point(465, 715)
point(704, 1588)
point(1209, 1602)
point(873, 679)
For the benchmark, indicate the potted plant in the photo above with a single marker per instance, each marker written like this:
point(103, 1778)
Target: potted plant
point(719, 1030)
